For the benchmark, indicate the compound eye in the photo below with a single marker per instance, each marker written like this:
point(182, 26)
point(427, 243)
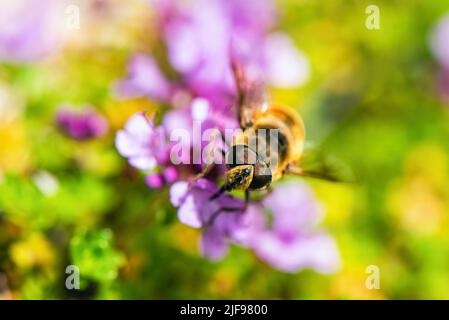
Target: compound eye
point(240, 154)
point(262, 176)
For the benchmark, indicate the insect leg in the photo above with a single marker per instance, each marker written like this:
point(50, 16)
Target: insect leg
point(247, 198)
point(210, 163)
point(216, 213)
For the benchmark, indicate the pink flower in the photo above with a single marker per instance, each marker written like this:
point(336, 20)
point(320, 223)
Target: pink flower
point(142, 143)
point(439, 42)
point(144, 78)
point(202, 39)
point(291, 240)
point(81, 124)
point(154, 180)
point(290, 243)
point(30, 30)
point(196, 210)
point(157, 180)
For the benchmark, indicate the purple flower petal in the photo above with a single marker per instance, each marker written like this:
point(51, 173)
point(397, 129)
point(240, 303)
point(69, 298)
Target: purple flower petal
point(285, 65)
point(143, 162)
point(81, 124)
point(255, 15)
point(127, 145)
point(170, 174)
point(184, 53)
point(439, 42)
point(318, 252)
point(142, 143)
point(301, 211)
point(213, 245)
point(139, 126)
point(178, 191)
point(27, 34)
point(144, 79)
point(154, 180)
point(288, 242)
point(189, 212)
point(195, 209)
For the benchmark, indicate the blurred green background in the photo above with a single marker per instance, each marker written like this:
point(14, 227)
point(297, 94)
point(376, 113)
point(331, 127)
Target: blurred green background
point(371, 101)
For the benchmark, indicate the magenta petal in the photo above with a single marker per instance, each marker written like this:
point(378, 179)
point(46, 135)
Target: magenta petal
point(188, 213)
point(178, 191)
point(440, 42)
point(213, 245)
point(139, 126)
point(286, 66)
point(141, 143)
point(254, 15)
point(251, 224)
point(323, 255)
point(318, 252)
point(154, 180)
point(126, 144)
point(143, 162)
point(27, 34)
point(302, 211)
point(144, 79)
point(170, 174)
point(177, 120)
point(184, 52)
point(81, 124)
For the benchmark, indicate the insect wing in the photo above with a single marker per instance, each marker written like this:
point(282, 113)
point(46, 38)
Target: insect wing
point(252, 95)
point(317, 164)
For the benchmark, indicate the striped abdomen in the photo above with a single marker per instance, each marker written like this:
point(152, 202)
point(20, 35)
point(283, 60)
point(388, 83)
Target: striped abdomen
point(279, 137)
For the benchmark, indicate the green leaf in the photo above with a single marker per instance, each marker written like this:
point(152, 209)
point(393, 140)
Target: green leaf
point(93, 254)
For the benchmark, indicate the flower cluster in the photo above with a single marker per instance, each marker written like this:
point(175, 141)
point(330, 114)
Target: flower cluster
point(201, 40)
point(282, 233)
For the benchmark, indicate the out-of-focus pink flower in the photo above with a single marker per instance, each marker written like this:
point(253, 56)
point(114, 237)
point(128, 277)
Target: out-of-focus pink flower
point(148, 147)
point(142, 143)
point(170, 174)
point(154, 180)
point(28, 34)
point(291, 241)
point(194, 123)
point(203, 38)
point(196, 210)
point(81, 124)
point(317, 251)
point(157, 180)
point(144, 78)
point(285, 66)
point(440, 42)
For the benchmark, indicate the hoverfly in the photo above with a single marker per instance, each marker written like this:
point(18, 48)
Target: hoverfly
point(253, 161)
